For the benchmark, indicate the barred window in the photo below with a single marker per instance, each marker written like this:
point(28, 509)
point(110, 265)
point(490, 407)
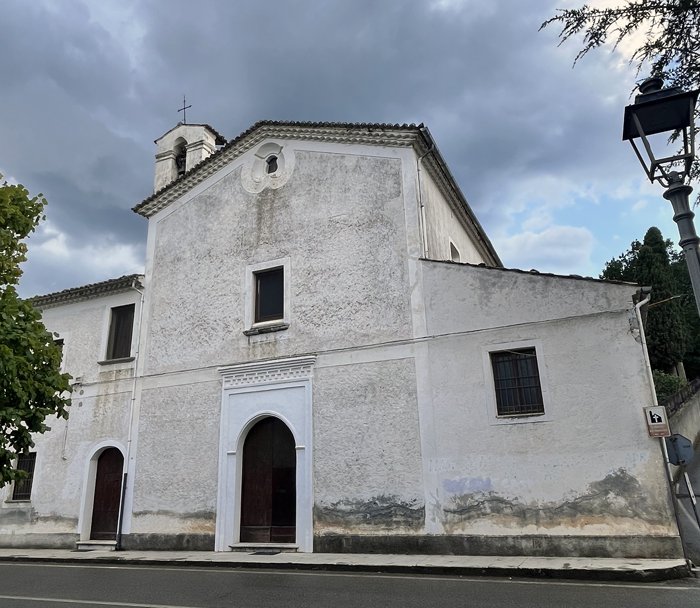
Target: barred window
point(23, 487)
point(517, 382)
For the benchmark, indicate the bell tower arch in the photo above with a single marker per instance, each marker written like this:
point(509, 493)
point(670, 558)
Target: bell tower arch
point(182, 148)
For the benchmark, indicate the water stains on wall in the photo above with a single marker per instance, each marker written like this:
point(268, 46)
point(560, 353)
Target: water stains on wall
point(617, 496)
point(378, 513)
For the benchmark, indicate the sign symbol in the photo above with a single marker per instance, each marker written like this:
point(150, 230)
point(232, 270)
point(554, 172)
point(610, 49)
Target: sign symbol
point(657, 422)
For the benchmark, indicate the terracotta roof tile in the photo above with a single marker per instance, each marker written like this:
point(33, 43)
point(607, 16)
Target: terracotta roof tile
point(75, 294)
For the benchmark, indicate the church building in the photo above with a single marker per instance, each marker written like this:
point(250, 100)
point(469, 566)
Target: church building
point(325, 353)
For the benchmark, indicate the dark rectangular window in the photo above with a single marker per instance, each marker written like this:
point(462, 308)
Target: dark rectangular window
point(120, 328)
point(59, 342)
point(269, 295)
point(517, 382)
point(23, 487)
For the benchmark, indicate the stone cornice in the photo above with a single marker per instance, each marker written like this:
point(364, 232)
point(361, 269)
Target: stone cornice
point(267, 372)
point(86, 292)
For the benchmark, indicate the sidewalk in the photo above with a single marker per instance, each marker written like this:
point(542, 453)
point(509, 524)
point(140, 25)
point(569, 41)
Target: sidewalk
point(456, 565)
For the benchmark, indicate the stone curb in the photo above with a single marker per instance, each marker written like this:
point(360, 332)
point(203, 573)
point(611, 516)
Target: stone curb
point(601, 574)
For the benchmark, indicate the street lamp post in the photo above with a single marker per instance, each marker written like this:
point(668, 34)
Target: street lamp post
point(678, 194)
point(658, 110)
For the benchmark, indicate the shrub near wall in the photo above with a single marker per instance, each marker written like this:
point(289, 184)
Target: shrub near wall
point(667, 385)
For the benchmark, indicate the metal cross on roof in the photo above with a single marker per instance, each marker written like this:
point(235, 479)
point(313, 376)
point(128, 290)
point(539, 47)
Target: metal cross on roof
point(183, 109)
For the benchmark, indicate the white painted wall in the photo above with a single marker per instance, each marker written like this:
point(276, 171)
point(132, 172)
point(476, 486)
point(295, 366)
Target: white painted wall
point(585, 467)
point(339, 219)
point(405, 438)
point(175, 477)
point(98, 416)
point(443, 226)
point(335, 215)
point(367, 449)
point(396, 431)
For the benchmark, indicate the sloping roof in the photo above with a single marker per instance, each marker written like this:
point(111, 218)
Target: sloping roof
point(380, 134)
point(575, 277)
point(220, 140)
point(369, 133)
point(93, 290)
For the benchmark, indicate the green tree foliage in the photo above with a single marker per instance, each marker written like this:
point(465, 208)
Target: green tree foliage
point(667, 385)
point(665, 31)
point(684, 287)
point(31, 384)
point(653, 263)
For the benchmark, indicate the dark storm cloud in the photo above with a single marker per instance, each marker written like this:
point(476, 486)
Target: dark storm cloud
point(64, 79)
point(87, 87)
point(87, 209)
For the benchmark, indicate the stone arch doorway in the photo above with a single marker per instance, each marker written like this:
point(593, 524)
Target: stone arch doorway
point(105, 505)
point(268, 484)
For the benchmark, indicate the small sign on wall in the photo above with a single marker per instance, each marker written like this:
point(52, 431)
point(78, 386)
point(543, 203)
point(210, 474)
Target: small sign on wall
point(657, 421)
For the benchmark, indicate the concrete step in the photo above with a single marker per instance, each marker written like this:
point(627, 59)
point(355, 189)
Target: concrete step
point(96, 545)
point(264, 548)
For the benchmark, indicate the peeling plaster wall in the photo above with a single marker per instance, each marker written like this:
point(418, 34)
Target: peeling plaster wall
point(408, 453)
point(339, 218)
point(367, 460)
point(99, 412)
point(587, 466)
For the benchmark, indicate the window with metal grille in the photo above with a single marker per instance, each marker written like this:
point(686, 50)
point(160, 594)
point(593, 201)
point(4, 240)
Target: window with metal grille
point(517, 382)
point(23, 487)
point(120, 328)
point(269, 295)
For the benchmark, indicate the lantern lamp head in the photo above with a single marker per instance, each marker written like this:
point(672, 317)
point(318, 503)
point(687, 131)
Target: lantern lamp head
point(658, 110)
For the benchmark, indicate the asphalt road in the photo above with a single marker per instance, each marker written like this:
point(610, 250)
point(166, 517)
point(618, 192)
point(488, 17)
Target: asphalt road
point(88, 586)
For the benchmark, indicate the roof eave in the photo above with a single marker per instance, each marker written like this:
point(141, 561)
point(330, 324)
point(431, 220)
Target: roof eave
point(369, 133)
point(87, 292)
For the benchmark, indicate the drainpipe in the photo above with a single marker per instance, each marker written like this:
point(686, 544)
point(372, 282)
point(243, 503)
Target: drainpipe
point(132, 407)
point(420, 199)
point(646, 292)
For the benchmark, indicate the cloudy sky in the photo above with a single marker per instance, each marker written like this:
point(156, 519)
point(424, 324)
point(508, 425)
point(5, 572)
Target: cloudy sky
point(87, 85)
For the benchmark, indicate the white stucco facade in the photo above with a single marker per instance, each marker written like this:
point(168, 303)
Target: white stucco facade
point(60, 509)
point(379, 364)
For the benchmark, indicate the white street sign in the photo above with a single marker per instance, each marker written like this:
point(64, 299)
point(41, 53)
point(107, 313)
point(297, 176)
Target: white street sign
point(657, 422)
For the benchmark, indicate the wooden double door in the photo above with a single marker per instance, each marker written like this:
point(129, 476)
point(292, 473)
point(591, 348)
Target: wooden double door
point(268, 497)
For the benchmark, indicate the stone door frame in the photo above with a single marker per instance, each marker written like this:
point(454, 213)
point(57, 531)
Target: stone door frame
point(251, 391)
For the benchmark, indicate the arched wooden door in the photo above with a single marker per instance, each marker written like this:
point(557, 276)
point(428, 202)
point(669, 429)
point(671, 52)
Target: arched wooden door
point(105, 506)
point(268, 497)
